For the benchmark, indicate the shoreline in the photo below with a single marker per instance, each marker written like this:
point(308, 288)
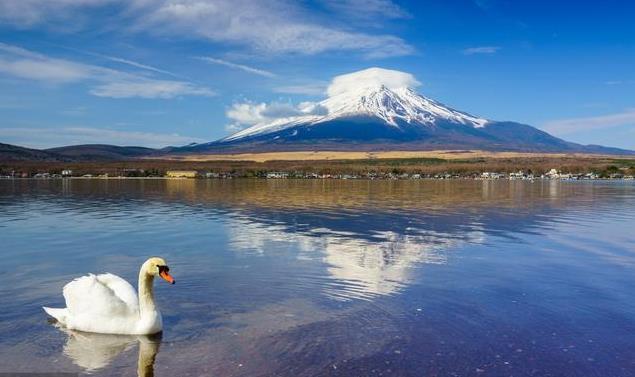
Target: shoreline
point(566, 179)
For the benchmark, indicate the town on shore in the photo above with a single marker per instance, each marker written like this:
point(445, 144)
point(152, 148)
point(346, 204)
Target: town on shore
point(574, 167)
point(371, 175)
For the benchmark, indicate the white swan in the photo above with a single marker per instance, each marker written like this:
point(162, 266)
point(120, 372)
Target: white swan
point(108, 304)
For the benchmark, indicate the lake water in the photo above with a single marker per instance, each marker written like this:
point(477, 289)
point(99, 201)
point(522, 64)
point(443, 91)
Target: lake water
point(337, 278)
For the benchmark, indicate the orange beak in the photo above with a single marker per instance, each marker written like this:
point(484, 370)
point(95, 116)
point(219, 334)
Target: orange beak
point(167, 277)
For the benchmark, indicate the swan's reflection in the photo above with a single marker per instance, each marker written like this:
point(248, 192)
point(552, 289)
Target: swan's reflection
point(96, 351)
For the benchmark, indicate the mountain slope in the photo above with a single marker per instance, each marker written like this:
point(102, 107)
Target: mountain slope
point(10, 152)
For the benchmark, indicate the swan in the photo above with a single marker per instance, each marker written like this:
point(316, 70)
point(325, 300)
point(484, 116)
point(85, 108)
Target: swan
point(108, 304)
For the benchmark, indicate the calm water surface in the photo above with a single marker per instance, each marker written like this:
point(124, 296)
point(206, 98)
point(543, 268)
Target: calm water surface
point(337, 278)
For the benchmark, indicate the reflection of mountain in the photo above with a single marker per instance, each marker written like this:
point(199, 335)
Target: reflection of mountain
point(92, 352)
point(361, 265)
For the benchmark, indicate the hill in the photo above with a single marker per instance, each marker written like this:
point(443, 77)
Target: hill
point(97, 152)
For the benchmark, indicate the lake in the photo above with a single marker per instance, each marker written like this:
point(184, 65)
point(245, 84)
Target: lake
point(329, 277)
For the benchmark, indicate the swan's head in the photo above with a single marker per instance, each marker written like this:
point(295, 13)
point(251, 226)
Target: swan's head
point(156, 266)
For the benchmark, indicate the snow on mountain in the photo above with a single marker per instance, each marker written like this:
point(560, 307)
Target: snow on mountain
point(374, 92)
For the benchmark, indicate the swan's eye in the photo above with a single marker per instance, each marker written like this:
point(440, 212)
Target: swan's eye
point(163, 269)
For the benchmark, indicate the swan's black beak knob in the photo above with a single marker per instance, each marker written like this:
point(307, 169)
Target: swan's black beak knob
point(164, 272)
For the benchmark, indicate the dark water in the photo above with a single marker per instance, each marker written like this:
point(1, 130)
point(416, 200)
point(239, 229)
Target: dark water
point(350, 278)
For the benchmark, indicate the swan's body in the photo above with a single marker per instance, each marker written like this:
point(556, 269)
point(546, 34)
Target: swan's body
point(108, 304)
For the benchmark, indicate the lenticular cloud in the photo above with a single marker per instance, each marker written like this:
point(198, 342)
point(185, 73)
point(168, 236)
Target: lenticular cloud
point(371, 78)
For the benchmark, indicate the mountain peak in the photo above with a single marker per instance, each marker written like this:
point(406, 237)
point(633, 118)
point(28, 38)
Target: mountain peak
point(373, 93)
point(400, 104)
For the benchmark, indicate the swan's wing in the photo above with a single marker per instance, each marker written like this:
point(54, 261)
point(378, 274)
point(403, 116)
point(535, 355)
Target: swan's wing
point(89, 295)
point(122, 289)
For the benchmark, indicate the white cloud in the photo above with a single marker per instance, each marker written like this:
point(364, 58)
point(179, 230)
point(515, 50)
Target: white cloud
point(149, 89)
point(50, 70)
point(49, 138)
point(486, 50)
point(25, 64)
point(248, 113)
point(569, 126)
point(371, 77)
point(22, 63)
point(271, 27)
point(26, 13)
point(234, 127)
point(242, 67)
point(135, 64)
point(367, 9)
point(275, 26)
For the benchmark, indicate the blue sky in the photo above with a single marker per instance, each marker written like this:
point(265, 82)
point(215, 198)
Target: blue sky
point(170, 72)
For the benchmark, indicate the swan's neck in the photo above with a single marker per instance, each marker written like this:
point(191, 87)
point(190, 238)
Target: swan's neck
point(146, 293)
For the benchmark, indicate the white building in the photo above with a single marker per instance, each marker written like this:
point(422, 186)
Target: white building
point(278, 175)
point(553, 174)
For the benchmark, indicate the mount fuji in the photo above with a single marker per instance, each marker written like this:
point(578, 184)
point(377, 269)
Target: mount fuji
point(377, 109)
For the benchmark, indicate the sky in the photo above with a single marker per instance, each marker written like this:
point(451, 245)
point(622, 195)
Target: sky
point(171, 72)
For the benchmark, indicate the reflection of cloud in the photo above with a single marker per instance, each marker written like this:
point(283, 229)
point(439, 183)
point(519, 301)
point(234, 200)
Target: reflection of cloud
point(362, 267)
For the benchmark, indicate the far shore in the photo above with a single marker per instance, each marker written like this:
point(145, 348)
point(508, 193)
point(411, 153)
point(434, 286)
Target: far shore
point(334, 164)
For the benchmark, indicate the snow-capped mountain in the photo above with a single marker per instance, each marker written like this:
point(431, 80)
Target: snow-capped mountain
point(378, 109)
point(394, 107)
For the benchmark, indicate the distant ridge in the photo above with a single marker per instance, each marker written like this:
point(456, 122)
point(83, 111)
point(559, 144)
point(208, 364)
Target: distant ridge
point(85, 152)
point(10, 152)
point(96, 152)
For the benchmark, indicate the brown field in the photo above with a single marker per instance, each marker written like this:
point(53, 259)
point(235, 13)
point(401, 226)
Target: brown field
point(339, 155)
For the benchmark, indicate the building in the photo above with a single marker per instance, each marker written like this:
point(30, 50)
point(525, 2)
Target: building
point(517, 175)
point(278, 175)
point(181, 173)
point(553, 174)
point(491, 175)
